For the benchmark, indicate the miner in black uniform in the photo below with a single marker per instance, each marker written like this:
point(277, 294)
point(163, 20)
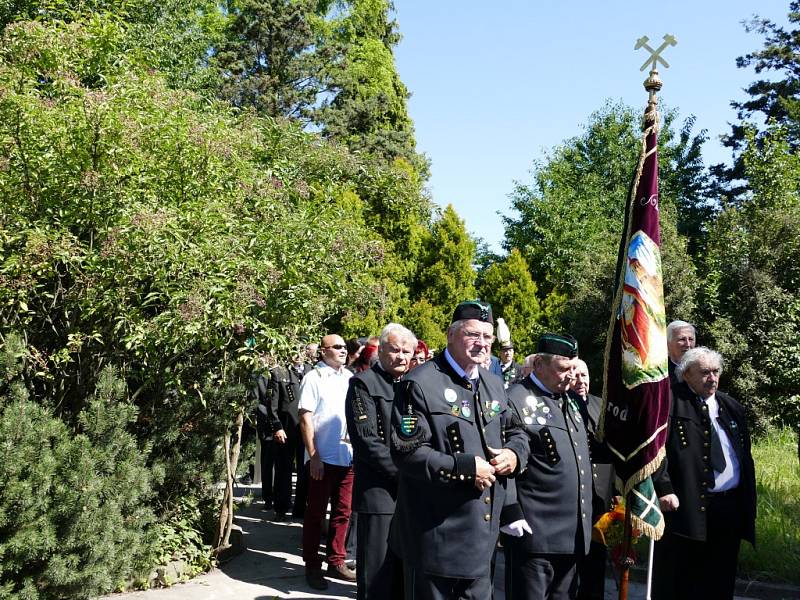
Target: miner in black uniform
point(449, 422)
point(555, 490)
point(259, 386)
point(708, 490)
point(592, 574)
point(369, 416)
point(681, 337)
point(286, 446)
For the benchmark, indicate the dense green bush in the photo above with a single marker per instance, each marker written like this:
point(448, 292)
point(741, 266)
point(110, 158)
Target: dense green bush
point(171, 239)
point(74, 516)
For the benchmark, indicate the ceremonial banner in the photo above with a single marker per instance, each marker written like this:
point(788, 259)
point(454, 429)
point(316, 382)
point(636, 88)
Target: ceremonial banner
point(636, 392)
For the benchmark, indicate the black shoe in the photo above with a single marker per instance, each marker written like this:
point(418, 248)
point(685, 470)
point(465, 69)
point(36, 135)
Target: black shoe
point(267, 505)
point(315, 580)
point(351, 564)
point(342, 572)
point(280, 517)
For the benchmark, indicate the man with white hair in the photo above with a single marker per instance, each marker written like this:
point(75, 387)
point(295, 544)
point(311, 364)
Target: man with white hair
point(369, 416)
point(707, 491)
point(681, 336)
point(592, 575)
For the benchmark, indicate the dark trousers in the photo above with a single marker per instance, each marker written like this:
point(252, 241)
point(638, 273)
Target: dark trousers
point(541, 576)
point(284, 457)
point(421, 586)
point(337, 485)
point(378, 570)
point(592, 574)
point(352, 537)
point(267, 464)
point(301, 488)
point(686, 568)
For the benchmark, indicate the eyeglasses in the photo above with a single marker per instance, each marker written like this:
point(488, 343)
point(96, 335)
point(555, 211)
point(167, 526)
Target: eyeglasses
point(335, 347)
point(477, 336)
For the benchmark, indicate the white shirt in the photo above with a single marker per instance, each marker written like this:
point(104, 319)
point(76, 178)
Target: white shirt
point(323, 392)
point(729, 478)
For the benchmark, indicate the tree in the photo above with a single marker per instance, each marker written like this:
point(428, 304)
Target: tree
point(444, 278)
point(145, 228)
point(753, 272)
point(367, 108)
point(172, 36)
point(776, 101)
point(773, 100)
point(569, 220)
point(269, 59)
point(508, 287)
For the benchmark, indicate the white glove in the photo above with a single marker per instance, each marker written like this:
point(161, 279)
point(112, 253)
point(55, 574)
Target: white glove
point(517, 528)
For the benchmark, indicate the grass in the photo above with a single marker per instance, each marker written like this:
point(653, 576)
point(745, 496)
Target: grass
point(776, 556)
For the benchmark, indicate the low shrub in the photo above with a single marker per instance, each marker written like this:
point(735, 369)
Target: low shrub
point(74, 516)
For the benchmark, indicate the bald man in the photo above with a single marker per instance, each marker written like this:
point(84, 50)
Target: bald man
point(323, 426)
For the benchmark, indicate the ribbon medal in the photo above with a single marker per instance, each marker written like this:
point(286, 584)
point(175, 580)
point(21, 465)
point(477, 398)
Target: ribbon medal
point(408, 425)
point(494, 409)
point(465, 410)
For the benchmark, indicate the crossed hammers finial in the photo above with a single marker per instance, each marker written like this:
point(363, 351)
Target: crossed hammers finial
point(655, 55)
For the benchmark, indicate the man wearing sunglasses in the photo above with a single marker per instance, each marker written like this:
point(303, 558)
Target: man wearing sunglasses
point(449, 423)
point(329, 457)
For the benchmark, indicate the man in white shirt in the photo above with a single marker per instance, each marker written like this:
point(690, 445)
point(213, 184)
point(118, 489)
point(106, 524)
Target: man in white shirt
point(707, 491)
point(330, 457)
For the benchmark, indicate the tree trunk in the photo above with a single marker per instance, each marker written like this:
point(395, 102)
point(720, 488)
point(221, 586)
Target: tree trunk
point(223, 536)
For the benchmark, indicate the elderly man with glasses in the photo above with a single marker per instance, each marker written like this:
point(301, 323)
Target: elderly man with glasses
point(454, 445)
point(330, 458)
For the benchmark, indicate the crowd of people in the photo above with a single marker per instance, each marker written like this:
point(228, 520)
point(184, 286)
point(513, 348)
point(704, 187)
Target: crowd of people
point(432, 464)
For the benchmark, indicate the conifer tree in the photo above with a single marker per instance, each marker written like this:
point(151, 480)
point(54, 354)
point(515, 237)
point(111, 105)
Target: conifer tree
point(269, 59)
point(507, 285)
point(446, 276)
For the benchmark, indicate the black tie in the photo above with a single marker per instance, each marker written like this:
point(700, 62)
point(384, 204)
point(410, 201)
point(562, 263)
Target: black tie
point(718, 462)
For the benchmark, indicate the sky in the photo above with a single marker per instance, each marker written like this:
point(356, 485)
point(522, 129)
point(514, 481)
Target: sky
point(495, 85)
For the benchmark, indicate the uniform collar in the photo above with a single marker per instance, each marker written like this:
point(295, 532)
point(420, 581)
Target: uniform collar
point(540, 385)
point(457, 368)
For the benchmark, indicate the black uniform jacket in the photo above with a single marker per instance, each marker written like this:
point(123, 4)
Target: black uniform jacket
point(555, 490)
point(600, 456)
point(369, 416)
point(283, 394)
point(258, 392)
point(513, 374)
point(443, 524)
point(688, 472)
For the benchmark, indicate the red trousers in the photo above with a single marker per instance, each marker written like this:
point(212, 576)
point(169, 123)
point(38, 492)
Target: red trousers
point(337, 485)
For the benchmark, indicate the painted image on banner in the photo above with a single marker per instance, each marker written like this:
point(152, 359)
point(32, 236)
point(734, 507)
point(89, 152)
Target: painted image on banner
point(644, 333)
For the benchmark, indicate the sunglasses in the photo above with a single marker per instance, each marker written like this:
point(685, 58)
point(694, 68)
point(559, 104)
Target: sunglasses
point(335, 347)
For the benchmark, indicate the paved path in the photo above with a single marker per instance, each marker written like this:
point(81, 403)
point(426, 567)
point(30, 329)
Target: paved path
point(272, 567)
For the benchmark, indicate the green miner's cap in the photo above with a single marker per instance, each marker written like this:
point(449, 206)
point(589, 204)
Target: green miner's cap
point(473, 309)
point(560, 345)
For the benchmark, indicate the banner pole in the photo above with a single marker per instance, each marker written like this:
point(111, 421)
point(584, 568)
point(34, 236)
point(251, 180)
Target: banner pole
point(625, 561)
point(650, 569)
